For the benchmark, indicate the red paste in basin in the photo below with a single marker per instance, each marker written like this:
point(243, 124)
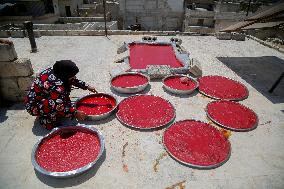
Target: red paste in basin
point(142, 55)
point(196, 143)
point(232, 115)
point(180, 83)
point(96, 104)
point(145, 111)
point(219, 87)
point(129, 80)
point(68, 151)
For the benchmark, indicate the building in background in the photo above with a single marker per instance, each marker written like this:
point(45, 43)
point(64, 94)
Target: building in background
point(69, 8)
point(199, 16)
point(152, 14)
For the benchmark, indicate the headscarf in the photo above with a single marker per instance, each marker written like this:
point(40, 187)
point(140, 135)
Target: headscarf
point(64, 70)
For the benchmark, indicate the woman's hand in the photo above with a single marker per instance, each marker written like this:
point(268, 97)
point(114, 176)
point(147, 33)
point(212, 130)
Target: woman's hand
point(81, 116)
point(92, 89)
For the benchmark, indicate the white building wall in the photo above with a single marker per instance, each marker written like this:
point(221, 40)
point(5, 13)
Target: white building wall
point(153, 14)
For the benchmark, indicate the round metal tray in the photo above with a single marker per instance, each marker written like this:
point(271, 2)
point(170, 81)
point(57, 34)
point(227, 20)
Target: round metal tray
point(177, 91)
point(230, 128)
point(232, 99)
point(148, 128)
point(101, 116)
point(193, 165)
point(130, 90)
point(73, 172)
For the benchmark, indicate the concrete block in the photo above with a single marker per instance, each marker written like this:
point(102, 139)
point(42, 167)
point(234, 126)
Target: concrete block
point(196, 68)
point(7, 51)
point(238, 37)
point(224, 36)
point(20, 67)
point(17, 34)
point(25, 83)
point(122, 48)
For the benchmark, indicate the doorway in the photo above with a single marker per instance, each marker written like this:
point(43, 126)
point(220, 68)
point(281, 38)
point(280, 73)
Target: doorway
point(68, 11)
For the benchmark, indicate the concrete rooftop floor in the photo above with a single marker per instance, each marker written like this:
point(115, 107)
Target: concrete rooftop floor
point(257, 159)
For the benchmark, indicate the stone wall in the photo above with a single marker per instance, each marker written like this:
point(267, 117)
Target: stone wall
point(16, 74)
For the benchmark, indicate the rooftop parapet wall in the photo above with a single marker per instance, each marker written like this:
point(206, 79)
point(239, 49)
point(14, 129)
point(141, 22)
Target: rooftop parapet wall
point(16, 74)
point(199, 14)
point(83, 19)
point(7, 33)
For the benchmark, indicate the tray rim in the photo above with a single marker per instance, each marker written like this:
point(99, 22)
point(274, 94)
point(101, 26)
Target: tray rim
point(229, 99)
point(148, 128)
point(100, 116)
point(135, 89)
point(74, 172)
point(178, 91)
point(230, 128)
point(190, 164)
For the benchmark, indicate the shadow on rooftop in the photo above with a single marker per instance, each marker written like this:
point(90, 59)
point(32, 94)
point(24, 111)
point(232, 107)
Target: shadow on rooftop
point(5, 106)
point(68, 182)
point(260, 72)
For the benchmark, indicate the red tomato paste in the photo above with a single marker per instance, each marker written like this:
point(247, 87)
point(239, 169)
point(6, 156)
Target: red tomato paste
point(180, 83)
point(145, 111)
point(196, 143)
point(68, 151)
point(232, 115)
point(219, 87)
point(96, 105)
point(129, 80)
point(142, 55)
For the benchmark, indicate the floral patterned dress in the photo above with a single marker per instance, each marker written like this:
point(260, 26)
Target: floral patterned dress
point(49, 99)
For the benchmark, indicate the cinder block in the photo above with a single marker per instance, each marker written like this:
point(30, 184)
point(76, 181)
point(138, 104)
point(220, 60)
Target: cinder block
point(224, 36)
point(195, 68)
point(122, 48)
point(7, 51)
point(238, 37)
point(20, 67)
point(25, 83)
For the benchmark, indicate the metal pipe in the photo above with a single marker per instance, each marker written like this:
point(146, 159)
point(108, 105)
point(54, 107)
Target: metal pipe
point(29, 27)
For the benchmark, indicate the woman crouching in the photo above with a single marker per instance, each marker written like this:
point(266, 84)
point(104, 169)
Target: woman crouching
point(48, 97)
